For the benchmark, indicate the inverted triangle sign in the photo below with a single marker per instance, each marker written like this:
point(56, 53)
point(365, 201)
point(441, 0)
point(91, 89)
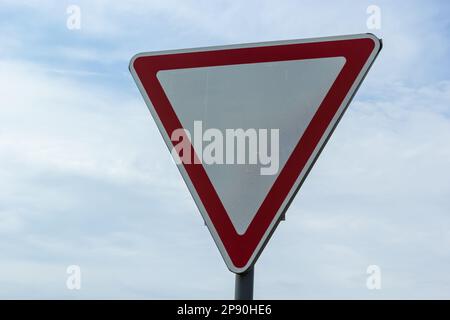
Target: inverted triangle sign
point(293, 92)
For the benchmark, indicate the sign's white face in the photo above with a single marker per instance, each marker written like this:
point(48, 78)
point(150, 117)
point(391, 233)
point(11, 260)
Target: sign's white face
point(257, 117)
point(273, 95)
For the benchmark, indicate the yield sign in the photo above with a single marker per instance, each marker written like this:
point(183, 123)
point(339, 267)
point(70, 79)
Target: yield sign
point(287, 94)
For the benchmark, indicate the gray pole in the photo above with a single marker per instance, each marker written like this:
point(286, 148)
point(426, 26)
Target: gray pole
point(243, 289)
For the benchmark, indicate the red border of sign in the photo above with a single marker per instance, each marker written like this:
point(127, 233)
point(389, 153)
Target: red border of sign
point(357, 51)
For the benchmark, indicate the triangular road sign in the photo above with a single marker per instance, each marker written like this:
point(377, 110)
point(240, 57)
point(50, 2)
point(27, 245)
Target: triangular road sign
point(289, 92)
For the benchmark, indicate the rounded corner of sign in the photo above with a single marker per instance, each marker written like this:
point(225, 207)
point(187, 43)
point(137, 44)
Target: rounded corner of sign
point(377, 41)
point(133, 60)
point(239, 270)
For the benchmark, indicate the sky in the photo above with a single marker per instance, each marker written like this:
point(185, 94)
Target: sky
point(86, 179)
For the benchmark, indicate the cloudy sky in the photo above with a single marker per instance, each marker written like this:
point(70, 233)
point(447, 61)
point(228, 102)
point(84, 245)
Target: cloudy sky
point(86, 179)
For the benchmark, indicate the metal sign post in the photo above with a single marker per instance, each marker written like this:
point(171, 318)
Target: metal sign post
point(243, 288)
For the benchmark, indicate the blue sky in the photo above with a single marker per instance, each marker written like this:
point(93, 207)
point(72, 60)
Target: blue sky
point(86, 179)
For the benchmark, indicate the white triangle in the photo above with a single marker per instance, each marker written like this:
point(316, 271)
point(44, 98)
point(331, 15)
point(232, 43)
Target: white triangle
point(273, 95)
